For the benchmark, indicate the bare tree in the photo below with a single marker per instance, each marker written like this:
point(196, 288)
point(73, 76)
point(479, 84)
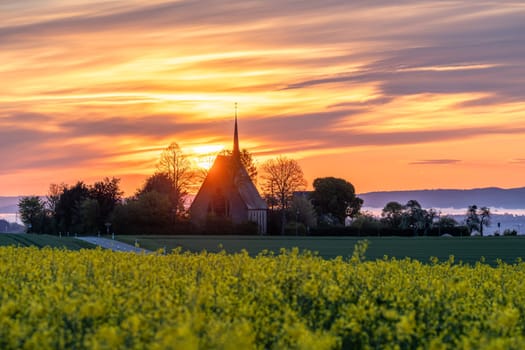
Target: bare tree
point(53, 196)
point(177, 167)
point(281, 178)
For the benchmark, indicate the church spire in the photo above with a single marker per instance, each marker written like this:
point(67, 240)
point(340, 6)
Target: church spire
point(236, 151)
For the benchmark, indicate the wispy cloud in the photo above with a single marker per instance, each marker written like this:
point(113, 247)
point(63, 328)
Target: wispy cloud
point(435, 162)
point(105, 85)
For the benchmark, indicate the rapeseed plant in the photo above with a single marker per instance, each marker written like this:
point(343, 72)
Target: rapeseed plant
point(97, 299)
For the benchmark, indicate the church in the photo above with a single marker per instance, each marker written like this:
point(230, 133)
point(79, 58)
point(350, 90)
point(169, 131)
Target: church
point(228, 192)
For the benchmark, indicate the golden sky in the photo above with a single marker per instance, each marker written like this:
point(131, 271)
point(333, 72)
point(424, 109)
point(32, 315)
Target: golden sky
point(388, 95)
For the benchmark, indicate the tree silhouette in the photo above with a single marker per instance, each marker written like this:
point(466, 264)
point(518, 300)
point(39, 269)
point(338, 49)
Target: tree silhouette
point(332, 196)
point(107, 193)
point(31, 212)
point(476, 218)
point(68, 207)
point(392, 214)
point(484, 218)
point(281, 178)
point(177, 167)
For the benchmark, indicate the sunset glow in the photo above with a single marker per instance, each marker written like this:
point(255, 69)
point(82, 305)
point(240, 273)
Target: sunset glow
point(404, 95)
point(203, 156)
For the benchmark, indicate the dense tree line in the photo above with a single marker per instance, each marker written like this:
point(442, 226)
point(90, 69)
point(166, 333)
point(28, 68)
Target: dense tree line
point(411, 219)
point(100, 208)
point(160, 205)
point(73, 209)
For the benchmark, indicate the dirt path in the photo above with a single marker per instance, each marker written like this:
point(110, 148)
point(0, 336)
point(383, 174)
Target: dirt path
point(113, 245)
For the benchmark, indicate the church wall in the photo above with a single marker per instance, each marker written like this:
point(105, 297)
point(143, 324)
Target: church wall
point(238, 211)
point(199, 209)
point(259, 217)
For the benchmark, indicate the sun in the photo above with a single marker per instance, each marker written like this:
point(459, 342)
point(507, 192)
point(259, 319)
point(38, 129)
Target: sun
point(203, 156)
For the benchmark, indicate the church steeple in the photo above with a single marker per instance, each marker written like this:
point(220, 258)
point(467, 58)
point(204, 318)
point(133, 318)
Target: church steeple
point(236, 151)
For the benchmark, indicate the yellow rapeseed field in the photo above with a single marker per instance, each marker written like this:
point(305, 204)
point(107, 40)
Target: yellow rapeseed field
point(97, 299)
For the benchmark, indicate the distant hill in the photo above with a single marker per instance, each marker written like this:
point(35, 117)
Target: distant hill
point(9, 205)
point(493, 197)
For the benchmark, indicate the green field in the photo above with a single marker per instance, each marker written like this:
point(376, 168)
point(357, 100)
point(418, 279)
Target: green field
point(29, 240)
point(466, 249)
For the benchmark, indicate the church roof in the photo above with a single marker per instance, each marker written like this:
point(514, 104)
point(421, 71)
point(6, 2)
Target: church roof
point(229, 175)
point(232, 174)
point(248, 191)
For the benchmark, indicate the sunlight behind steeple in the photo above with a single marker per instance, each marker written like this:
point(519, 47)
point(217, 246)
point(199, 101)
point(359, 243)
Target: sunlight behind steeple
point(203, 156)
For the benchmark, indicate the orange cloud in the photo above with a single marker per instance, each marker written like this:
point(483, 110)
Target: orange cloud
point(356, 90)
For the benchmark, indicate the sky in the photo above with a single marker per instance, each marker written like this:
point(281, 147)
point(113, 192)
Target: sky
point(389, 95)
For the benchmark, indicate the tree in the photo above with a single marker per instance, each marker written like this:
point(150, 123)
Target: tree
point(281, 178)
point(304, 212)
point(484, 218)
point(52, 200)
point(90, 217)
point(149, 213)
point(333, 196)
point(31, 212)
point(177, 167)
point(161, 184)
point(472, 219)
point(53, 196)
point(107, 194)
point(68, 207)
point(428, 220)
point(158, 182)
point(447, 222)
point(476, 218)
point(367, 222)
point(415, 217)
point(392, 214)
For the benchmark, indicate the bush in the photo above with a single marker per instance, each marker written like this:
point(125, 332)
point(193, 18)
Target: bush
point(293, 228)
point(217, 225)
point(509, 232)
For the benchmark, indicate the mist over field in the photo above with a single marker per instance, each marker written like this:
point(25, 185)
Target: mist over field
point(507, 205)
